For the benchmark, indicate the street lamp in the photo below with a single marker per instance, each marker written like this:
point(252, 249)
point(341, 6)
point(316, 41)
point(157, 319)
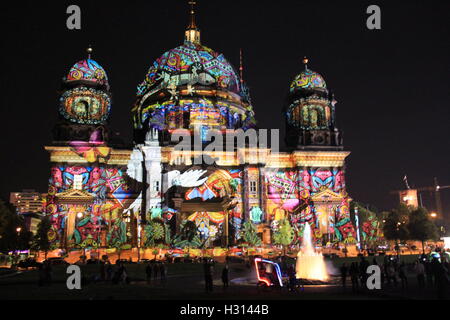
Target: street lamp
point(433, 215)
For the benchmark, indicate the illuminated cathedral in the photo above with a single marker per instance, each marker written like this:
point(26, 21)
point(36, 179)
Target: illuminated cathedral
point(104, 195)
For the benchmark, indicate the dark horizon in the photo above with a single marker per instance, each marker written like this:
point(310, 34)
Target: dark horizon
point(391, 84)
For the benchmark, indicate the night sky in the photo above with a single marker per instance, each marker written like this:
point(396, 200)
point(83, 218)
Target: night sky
point(392, 85)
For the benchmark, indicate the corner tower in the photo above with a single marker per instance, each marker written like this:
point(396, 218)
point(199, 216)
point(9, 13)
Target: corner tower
point(84, 104)
point(89, 194)
point(310, 114)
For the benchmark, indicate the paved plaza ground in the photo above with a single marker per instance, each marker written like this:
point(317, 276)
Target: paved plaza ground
point(186, 281)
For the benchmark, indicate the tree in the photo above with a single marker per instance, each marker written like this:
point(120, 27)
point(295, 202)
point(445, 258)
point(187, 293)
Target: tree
point(284, 235)
point(10, 222)
point(420, 227)
point(395, 224)
point(250, 234)
point(40, 241)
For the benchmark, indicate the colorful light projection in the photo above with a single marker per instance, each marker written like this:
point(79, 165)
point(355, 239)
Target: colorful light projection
point(314, 179)
point(370, 228)
point(188, 113)
point(219, 184)
point(289, 195)
point(111, 195)
point(190, 63)
point(85, 105)
point(308, 79)
point(308, 116)
point(282, 193)
point(87, 70)
point(256, 215)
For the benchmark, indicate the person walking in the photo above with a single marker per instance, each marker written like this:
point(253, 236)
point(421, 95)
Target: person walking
point(419, 268)
point(354, 272)
point(109, 271)
point(102, 271)
point(48, 272)
point(429, 274)
point(391, 274)
point(440, 278)
point(293, 282)
point(123, 276)
point(363, 266)
point(155, 271)
point(402, 275)
point(225, 276)
point(41, 271)
point(148, 273)
point(209, 277)
point(205, 273)
point(162, 272)
point(344, 271)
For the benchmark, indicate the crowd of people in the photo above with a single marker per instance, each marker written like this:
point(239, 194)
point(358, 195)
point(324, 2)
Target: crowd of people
point(153, 269)
point(208, 270)
point(433, 273)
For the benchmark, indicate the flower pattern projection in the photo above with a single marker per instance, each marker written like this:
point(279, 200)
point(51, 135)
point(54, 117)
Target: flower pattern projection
point(308, 79)
point(87, 70)
point(111, 195)
point(190, 64)
point(220, 183)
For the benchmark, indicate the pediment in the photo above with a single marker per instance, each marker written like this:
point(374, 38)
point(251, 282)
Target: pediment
point(75, 195)
point(327, 195)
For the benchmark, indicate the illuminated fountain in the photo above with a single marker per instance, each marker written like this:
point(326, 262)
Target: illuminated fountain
point(310, 264)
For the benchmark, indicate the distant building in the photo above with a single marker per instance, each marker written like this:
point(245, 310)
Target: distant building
point(409, 197)
point(29, 204)
point(27, 201)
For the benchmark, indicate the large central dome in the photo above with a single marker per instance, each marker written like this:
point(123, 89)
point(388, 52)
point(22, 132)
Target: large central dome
point(191, 87)
point(190, 63)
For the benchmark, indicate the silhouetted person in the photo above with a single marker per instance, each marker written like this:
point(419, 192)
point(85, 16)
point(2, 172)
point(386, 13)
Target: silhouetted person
point(402, 275)
point(205, 273)
point(440, 278)
point(429, 274)
point(102, 271)
point(344, 271)
point(48, 273)
point(364, 264)
point(391, 274)
point(109, 271)
point(162, 272)
point(41, 271)
point(209, 277)
point(420, 272)
point(148, 272)
point(292, 279)
point(155, 271)
point(225, 276)
point(354, 273)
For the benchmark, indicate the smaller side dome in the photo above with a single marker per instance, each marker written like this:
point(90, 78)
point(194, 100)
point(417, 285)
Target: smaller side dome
point(87, 70)
point(308, 79)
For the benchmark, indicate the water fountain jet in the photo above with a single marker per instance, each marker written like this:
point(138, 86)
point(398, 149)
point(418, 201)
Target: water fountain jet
point(310, 264)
